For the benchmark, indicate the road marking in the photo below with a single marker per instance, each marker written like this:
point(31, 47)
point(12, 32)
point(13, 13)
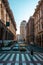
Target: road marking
point(34, 59)
point(16, 64)
point(23, 58)
point(17, 57)
point(1, 63)
point(2, 56)
point(38, 57)
point(41, 56)
point(28, 57)
point(23, 63)
point(31, 64)
point(11, 58)
point(6, 57)
point(38, 64)
point(8, 63)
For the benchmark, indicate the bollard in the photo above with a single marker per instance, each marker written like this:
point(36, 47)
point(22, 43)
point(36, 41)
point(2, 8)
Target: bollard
point(32, 52)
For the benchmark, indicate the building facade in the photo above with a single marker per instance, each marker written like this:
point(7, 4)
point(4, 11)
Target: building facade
point(38, 24)
point(23, 29)
point(19, 37)
point(30, 30)
point(27, 32)
point(6, 15)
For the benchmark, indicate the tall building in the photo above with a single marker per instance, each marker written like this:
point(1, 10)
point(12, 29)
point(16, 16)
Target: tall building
point(38, 24)
point(30, 30)
point(23, 29)
point(19, 37)
point(6, 15)
point(27, 32)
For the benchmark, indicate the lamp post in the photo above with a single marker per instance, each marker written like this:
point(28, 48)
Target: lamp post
point(2, 37)
point(7, 25)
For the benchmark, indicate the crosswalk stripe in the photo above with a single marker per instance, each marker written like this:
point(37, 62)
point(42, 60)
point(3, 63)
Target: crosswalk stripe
point(38, 57)
point(38, 64)
point(16, 64)
point(11, 58)
point(2, 56)
point(23, 63)
point(17, 57)
point(28, 57)
point(34, 58)
point(41, 56)
point(31, 64)
point(23, 58)
point(1, 63)
point(8, 63)
point(6, 57)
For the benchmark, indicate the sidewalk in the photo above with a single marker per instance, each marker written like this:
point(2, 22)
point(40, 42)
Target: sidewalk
point(35, 48)
point(6, 48)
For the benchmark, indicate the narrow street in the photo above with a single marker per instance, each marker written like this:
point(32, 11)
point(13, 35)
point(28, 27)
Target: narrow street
point(20, 55)
point(21, 32)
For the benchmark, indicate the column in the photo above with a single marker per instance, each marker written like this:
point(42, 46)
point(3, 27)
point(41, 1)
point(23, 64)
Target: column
point(41, 41)
point(0, 9)
point(4, 33)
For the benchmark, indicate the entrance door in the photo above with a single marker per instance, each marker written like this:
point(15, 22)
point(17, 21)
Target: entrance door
point(1, 33)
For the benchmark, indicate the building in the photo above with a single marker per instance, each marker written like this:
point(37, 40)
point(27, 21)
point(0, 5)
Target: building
point(19, 37)
point(38, 24)
point(23, 29)
point(6, 15)
point(30, 30)
point(27, 32)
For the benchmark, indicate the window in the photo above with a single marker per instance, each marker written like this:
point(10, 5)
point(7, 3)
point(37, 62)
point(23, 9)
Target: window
point(39, 26)
point(2, 12)
point(42, 36)
point(42, 26)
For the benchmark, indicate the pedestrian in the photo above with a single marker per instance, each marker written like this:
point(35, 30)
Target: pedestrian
point(32, 52)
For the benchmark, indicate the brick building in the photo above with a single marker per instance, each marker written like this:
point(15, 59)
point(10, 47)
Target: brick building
point(30, 30)
point(23, 30)
point(6, 15)
point(38, 24)
point(27, 32)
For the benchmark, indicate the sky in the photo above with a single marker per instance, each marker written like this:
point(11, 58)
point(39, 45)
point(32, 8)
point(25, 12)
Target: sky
point(22, 10)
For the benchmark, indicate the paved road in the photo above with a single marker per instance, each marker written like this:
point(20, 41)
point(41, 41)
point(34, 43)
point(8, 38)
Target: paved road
point(12, 58)
point(35, 48)
point(28, 47)
point(20, 58)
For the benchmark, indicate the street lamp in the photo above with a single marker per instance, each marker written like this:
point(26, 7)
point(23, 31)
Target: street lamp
point(2, 36)
point(7, 24)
